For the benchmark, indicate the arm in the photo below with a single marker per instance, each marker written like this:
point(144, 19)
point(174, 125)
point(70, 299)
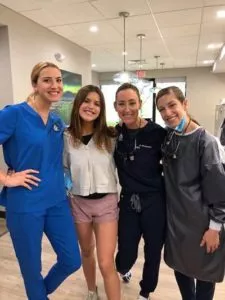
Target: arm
point(66, 163)
point(8, 125)
point(213, 188)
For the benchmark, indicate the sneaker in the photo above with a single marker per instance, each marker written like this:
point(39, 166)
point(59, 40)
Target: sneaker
point(92, 295)
point(126, 277)
point(142, 298)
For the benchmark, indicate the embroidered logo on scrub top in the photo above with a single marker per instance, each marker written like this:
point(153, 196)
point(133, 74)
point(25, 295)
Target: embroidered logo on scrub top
point(120, 138)
point(56, 127)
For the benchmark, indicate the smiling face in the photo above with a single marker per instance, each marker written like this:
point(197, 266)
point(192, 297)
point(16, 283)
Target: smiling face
point(127, 105)
point(171, 109)
point(49, 86)
point(90, 108)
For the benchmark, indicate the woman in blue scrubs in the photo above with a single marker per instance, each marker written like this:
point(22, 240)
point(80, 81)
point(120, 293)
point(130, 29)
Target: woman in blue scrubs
point(34, 193)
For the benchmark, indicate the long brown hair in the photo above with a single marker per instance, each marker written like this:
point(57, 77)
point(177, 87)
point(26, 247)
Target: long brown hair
point(102, 133)
point(178, 94)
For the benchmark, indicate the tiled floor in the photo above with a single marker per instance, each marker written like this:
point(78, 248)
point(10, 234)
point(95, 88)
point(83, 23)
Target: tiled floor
point(74, 288)
point(3, 228)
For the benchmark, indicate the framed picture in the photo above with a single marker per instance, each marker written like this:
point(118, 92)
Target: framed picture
point(71, 84)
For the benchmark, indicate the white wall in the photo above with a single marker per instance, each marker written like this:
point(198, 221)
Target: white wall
point(204, 90)
point(6, 95)
point(95, 78)
point(30, 43)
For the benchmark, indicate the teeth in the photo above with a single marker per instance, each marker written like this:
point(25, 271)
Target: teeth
point(89, 112)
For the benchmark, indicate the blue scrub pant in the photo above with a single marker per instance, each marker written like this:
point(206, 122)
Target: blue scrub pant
point(26, 230)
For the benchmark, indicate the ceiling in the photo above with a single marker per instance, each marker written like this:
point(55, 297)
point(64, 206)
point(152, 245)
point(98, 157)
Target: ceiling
point(179, 31)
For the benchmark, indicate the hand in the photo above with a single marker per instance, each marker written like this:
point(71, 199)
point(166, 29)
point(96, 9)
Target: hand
point(23, 178)
point(211, 240)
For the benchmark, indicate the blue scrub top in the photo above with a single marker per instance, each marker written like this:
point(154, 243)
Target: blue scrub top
point(30, 144)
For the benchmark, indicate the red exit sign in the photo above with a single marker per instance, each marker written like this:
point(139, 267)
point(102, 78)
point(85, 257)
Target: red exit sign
point(140, 73)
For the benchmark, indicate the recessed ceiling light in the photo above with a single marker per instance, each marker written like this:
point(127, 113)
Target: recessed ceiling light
point(93, 28)
point(208, 62)
point(93, 65)
point(215, 46)
point(220, 14)
point(124, 53)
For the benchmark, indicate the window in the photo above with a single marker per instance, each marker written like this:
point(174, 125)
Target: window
point(147, 92)
point(109, 92)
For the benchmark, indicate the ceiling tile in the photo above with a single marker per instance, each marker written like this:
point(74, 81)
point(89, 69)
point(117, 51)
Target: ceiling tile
point(186, 30)
point(83, 36)
point(40, 16)
point(213, 29)
point(25, 5)
point(179, 18)
point(214, 2)
point(174, 31)
point(111, 9)
point(74, 13)
point(135, 25)
point(207, 55)
point(21, 5)
point(186, 62)
point(172, 5)
point(209, 14)
point(63, 30)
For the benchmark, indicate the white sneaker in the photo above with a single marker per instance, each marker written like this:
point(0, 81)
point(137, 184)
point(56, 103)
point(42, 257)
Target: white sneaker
point(93, 295)
point(142, 298)
point(126, 277)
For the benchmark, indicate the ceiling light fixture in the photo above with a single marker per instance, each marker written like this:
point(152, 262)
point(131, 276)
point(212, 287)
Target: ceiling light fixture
point(208, 62)
point(93, 28)
point(124, 76)
point(215, 46)
point(93, 65)
point(141, 83)
point(156, 57)
point(162, 64)
point(141, 36)
point(220, 14)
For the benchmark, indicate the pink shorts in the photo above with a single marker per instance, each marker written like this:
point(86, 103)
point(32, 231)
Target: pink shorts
point(95, 210)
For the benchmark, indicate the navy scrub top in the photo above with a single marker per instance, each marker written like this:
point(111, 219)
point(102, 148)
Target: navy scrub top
point(30, 144)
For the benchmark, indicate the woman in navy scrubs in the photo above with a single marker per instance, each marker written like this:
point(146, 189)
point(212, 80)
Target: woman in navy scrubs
point(142, 204)
point(34, 193)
